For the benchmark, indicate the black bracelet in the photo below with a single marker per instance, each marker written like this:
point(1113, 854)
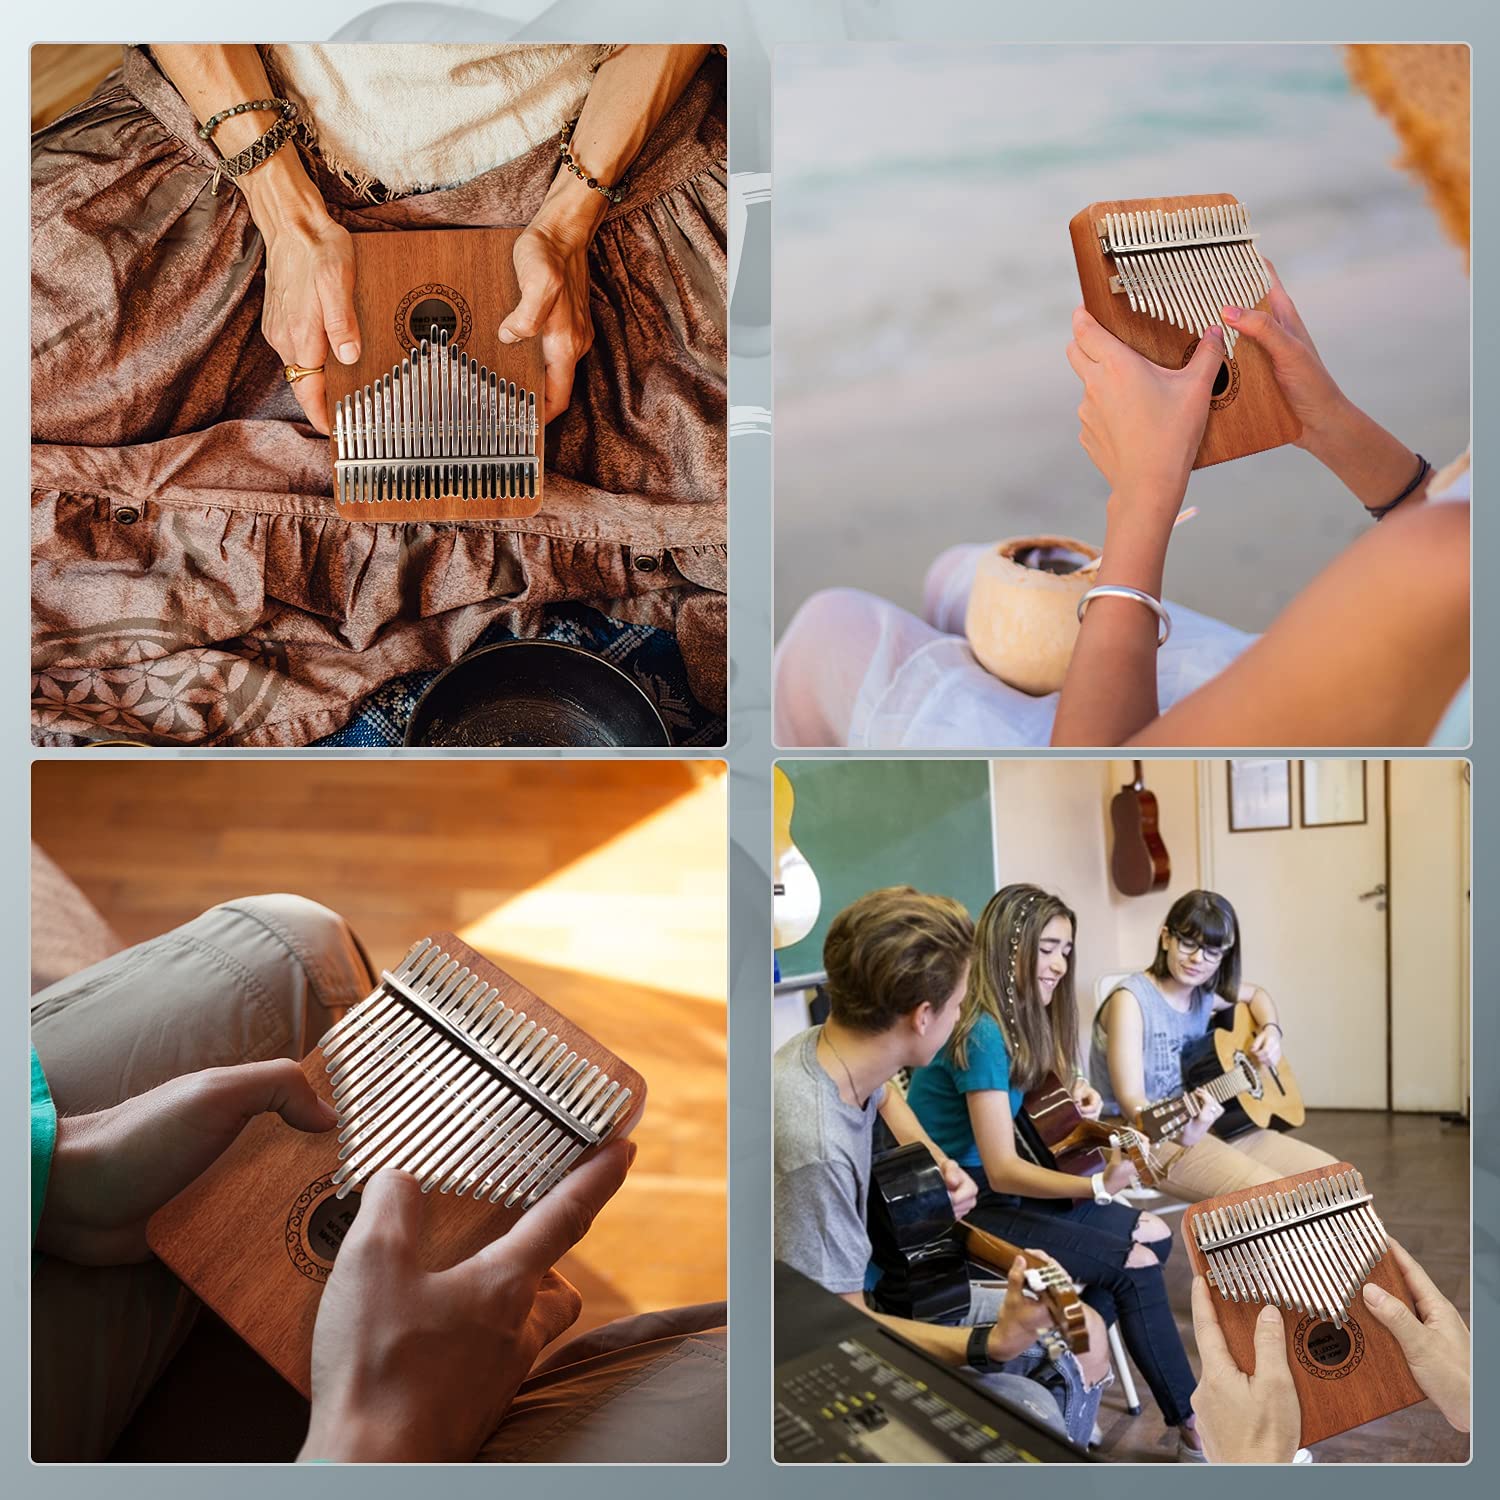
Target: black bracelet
point(1380, 512)
point(285, 106)
point(977, 1356)
point(565, 151)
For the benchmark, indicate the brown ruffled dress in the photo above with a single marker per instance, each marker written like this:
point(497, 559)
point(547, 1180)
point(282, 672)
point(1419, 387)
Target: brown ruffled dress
point(192, 582)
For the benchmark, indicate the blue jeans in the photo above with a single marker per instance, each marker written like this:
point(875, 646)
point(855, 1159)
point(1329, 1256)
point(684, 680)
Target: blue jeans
point(1091, 1242)
point(1049, 1391)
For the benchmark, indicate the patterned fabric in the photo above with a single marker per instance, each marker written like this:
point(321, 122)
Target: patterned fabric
point(192, 582)
point(650, 659)
point(1167, 1031)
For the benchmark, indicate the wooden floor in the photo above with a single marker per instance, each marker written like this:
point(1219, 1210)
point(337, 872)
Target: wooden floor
point(1418, 1170)
point(65, 75)
point(602, 885)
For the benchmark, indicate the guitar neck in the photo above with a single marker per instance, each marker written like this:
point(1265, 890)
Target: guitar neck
point(1223, 1088)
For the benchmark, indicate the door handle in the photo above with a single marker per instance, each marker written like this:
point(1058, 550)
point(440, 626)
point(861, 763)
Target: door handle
point(1371, 894)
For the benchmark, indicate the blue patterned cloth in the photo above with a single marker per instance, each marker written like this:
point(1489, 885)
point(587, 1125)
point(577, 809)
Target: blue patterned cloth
point(649, 657)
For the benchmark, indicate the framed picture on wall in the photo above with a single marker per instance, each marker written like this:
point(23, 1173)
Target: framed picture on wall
point(1260, 795)
point(1333, 793)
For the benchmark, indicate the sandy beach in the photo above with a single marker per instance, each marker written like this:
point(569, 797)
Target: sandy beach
point(923, 291)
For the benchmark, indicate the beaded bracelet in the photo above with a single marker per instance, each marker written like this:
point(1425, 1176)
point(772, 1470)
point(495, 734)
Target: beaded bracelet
point(1380, 512)
point(614, 194)
point(285, 106)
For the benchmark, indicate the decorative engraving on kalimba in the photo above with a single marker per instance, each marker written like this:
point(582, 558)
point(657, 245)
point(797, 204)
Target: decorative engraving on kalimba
point(1328, 1350)
point(316, 1226)
point(432, 305)
point(436, 1075)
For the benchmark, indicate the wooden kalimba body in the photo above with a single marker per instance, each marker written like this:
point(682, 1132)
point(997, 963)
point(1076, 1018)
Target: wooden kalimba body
point(450, 1070)
point(437, 420)
point(1157, 273)
point(1308, 1244)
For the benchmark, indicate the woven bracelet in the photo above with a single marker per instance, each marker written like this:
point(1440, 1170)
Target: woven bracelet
point(1380, 512)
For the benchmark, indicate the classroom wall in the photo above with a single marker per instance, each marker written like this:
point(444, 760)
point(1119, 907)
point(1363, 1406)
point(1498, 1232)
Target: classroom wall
point(1052, 827)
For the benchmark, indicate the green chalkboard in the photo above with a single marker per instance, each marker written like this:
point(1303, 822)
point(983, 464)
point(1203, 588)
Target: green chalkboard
point(868, 823)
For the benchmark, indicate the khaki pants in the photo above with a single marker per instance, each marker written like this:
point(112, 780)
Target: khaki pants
point(1214, 1167)
point(255, 979)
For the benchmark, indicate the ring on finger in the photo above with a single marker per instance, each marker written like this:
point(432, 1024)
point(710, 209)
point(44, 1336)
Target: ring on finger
point(294, 373)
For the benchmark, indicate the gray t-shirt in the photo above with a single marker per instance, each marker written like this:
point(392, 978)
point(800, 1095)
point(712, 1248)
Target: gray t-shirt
point(822, 1169)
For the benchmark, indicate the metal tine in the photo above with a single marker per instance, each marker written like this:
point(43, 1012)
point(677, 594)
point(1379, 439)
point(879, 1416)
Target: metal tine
point(1322, 1274)
point(602, 1126)
point(1176, 288)
point(388, 1004)
point(532, 444)
point(494, 1109)
point(420, 362)
point(528, 1128)
point(553, 1176)
point(1200, 273)
point(503, 1176)
point(421, 956)
point(473, 1155)
point(339, 441)
point(552, 1152)
point(413, 1052)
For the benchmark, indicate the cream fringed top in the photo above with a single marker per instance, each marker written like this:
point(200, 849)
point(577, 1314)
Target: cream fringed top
point(413, 118)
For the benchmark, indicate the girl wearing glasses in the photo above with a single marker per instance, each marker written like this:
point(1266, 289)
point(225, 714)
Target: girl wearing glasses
point(1143, 1026)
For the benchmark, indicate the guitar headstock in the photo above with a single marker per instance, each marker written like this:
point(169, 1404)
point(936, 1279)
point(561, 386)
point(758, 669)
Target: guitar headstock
point(1161, 1122)
point(1136, 1147)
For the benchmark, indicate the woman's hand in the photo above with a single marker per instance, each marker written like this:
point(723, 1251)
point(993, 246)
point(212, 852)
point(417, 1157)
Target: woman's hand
point(1311, 392)
point(418, 1366)
point(1209, 1111)
point(1265, 1045)
point(963, 1193)
point(1119, 1172)
point(1086, 1099)
point(552, 266)
point(309, 304)
point(1244, 1419)
point(1434, 1339)
point(112, 1170)
point(1142, 424)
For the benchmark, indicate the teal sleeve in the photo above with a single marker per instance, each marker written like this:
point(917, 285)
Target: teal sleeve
point(988, 1064)
point(43, 1139)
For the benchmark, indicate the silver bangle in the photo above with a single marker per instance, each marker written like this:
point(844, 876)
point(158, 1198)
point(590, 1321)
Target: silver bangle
point(1123, 591)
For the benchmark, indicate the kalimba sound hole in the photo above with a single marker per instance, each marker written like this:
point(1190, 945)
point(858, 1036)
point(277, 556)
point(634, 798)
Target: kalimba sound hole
point(1329, 1345)
point(430, 313)
point(328, 1223)
point(1221, 380)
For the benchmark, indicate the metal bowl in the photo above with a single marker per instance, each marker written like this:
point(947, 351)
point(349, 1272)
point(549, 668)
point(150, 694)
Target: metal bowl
point(534, 693)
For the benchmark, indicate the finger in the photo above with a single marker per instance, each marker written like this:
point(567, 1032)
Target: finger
point(540, 288)
point(1015, 1278)
point(1423, 1289)
point(1396, 1317)
point(1270, 1346)
point(556, 1308)
point(1082, 365)
point(1261, 328)
point(1212, 1348)
point(1203, 368)
point(336, 294)
point(392, 1207)
point(549, 1229)
point(557, 383)
point(1096, 341)
point(953, 1174)
point(1279, 300)
point(276, 1087)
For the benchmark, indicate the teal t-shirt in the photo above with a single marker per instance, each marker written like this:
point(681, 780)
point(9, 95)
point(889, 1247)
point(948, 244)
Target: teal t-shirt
point(43, 1139)
point(937, 1091)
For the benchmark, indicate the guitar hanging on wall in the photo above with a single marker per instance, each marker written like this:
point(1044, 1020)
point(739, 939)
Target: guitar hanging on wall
point(1139, 860)
point(795, 895)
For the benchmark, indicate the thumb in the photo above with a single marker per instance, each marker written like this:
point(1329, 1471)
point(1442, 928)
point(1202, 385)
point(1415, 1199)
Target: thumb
point(277, 1087)
point(1015, 1278)
point(540, 287)
point(953, 1174)
point(1270, 1345)
point(1203, 367)
point(1396, 1318)
point(391, 1209)
point(1261, 328)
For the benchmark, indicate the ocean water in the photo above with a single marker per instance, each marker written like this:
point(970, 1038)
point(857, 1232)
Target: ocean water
point(923, 282)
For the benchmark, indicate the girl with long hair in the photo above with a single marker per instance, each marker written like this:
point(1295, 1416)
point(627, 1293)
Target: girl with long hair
point(1018, 1024)
point(1145, 1024)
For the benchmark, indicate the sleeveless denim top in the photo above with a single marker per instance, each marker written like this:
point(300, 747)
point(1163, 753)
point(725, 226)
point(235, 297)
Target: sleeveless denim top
point(1167, 1032)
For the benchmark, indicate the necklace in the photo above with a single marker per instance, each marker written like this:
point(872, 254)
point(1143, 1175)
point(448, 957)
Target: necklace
point(823, 1036)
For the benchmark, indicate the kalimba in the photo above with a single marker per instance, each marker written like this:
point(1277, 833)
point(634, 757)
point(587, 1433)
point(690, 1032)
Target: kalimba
point(437, 420)
point(1157, 273)
point(450, 1070)
point(1308, 1244)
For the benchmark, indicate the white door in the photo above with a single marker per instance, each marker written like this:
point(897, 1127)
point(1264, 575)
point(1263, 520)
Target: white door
point(1313, 913)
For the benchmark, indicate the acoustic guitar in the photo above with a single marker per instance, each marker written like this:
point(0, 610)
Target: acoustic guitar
point(1254, 1096)
point(1060, 1137)
point(924, 1253)
point(1139, 861)
point(795, 894)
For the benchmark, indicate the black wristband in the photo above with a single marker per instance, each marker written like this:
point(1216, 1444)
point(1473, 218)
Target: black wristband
point(978, 1354)
point(1380, 512)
